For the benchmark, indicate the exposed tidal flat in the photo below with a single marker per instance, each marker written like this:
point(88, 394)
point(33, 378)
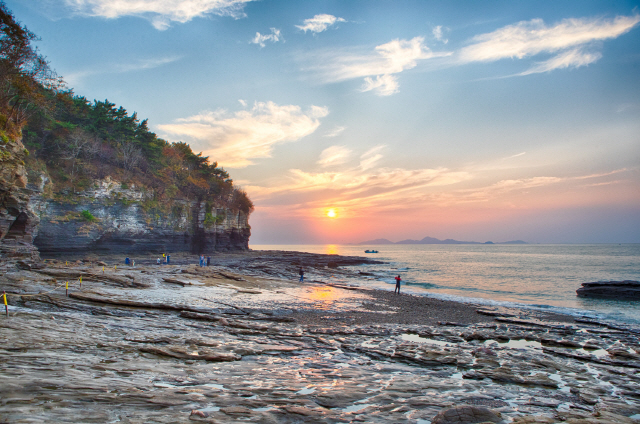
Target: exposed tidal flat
point(535, 276)
point(244, 341)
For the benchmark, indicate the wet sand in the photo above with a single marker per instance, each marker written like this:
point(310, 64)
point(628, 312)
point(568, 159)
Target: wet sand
point(243, 341)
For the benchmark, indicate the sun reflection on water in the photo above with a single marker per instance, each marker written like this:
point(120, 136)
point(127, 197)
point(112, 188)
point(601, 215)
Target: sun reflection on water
point(332, 249)
point(322, 296)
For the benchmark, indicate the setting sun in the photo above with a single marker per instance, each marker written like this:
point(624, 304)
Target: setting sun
point(331, 213)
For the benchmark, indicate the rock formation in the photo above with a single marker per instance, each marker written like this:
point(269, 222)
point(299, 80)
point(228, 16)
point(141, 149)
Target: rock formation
point(18, 221)
point(625, 290)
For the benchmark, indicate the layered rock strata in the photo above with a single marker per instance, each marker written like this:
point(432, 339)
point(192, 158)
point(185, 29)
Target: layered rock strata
point(113, 219)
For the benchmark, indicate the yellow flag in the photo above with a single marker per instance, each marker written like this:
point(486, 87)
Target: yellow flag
point(67, 285)
point(4, 296)
point(163, 255)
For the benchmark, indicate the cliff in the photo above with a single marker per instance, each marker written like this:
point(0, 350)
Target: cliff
point(96, 179)
point(113, 219)
point(18, 220)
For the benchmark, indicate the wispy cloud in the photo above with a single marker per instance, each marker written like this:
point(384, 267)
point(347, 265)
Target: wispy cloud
point(260, 39)
point(573, 58)
point(336, 131)
point(566, 39)
point(371, 157)
point(235, 139)
point(626, 107)
point(374, 190)
point(319, 23)
point(159, 12)
point(145, 64)
point(515, 156)
point(119, 68)
point(334, 155)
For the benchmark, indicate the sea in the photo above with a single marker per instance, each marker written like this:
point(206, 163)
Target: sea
point(535, 276)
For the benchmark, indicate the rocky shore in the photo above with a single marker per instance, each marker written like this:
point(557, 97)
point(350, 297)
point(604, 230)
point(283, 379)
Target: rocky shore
point(243, 341)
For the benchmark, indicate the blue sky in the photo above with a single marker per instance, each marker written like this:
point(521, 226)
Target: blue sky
point(493, 120)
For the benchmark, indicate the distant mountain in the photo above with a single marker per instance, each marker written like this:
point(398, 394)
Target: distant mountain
point(432, 240)
point(377, 241)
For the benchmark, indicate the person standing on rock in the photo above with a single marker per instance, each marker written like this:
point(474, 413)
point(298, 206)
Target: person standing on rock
point(398, 279)
point(301, 274)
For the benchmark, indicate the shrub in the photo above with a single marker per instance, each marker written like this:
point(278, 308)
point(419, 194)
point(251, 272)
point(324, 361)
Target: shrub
point(87, 216)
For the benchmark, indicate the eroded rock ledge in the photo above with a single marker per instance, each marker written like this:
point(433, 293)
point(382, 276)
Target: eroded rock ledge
point(623, 290)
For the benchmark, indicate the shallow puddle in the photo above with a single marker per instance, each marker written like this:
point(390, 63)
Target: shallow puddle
point(410, 337)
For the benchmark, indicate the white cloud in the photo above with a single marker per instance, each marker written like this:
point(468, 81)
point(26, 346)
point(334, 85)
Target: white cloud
point(334, 155)
point(242, 102)
point(234, 140)
point(439, 34)
point(384, 85)
point(160, 12)
point(390, 58)
point(529, 38)
point(335, 132)
point(260, 39)
point(319, 23)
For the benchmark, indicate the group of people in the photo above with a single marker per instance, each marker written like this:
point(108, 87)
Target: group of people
point(205, 261)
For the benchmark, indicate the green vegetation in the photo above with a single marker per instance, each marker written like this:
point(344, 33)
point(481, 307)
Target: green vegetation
point(210, 220)
point(87, 216)
point(78, 141)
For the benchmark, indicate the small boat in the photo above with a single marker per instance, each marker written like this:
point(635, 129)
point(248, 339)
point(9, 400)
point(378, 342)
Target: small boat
point(370, 251)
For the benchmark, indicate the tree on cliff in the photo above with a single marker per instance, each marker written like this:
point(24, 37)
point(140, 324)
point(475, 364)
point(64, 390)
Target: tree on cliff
point(77, 141)
point(25, 75)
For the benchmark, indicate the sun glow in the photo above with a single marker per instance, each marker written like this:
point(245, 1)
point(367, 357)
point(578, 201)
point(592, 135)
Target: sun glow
point(332, 213)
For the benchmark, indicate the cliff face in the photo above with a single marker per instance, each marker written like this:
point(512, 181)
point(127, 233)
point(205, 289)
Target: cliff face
point(18, 220)
point(116, 220)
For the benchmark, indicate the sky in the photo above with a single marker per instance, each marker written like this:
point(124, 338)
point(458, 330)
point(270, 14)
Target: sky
point(353, 120)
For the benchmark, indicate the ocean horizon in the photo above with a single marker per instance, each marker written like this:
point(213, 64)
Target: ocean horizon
point(532, 276)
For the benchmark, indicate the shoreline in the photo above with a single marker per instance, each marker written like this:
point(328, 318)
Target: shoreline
point(316, 260)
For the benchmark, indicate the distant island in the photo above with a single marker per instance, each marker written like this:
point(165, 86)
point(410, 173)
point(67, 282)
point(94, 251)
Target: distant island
point(432, 240)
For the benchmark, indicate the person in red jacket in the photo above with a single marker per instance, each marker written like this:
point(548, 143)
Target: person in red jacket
point(398, 279)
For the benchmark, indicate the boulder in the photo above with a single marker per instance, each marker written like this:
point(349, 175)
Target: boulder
point(624, 290)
